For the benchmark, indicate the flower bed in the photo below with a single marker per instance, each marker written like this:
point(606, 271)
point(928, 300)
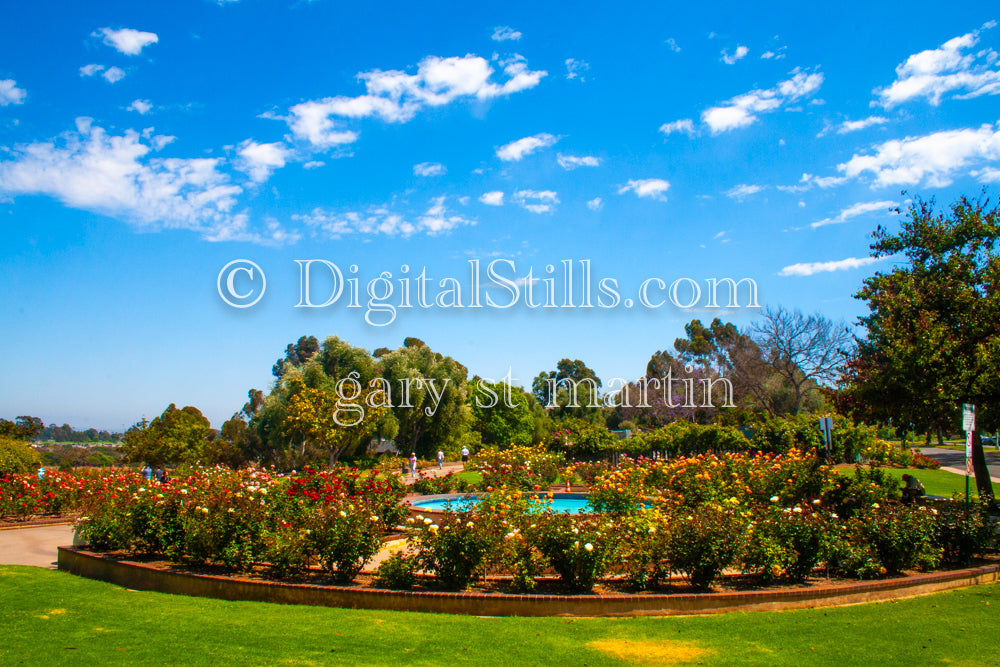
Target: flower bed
point(771, 518)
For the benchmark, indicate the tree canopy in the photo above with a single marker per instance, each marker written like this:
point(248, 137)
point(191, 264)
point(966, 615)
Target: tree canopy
point(932, 337)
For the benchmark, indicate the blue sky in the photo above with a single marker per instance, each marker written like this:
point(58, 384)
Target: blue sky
point(144, 146)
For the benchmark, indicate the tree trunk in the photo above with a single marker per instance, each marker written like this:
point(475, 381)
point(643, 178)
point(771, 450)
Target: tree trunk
point(983, 483)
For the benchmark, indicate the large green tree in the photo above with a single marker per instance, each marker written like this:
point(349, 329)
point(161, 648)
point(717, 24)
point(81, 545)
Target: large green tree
point(429, 394)
point(501, 414)
point(571, 390)
point(933, 328)
point(179, 435)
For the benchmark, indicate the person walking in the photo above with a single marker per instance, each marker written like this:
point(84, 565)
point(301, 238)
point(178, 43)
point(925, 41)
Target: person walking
point(440, 460)
point(413, 464)
point(465, 456)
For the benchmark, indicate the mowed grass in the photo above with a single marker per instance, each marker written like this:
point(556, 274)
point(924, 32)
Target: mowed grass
point(53, 618)
point(938, 482)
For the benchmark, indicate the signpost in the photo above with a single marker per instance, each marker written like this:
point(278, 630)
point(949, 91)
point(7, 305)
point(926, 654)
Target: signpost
point(826, 425)
point(968, 425)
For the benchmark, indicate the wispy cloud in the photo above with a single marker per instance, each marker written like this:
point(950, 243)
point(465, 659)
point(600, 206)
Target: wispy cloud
point(743, 191)
point(575, 69)
point(731, 58)
point(854, 211)
point(595, 204)
point(933, 159)
point(951, 68)
point(437, 219)
point(672, 45)
point(141, 107)
point(494, 198)
point(569, 162)
point(395, 96)
point(10, 93)
point(505, 33)
point(260, 160)
point(120, 176)
point(812, 268)
point(110, 74)
point(429, 169)
point(128, 41)
point(651, 188)
point(855, 125)
point(684, 126)
point(517, 150)
point(543, 201)
point(743, 110)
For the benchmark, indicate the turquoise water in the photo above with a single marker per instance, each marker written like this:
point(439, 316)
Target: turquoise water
point(569, 503)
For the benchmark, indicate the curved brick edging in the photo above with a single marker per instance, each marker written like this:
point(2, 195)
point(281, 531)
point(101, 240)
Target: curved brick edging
point(139, 576)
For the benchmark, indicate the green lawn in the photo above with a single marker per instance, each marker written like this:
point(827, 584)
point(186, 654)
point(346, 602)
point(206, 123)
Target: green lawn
point(470, 476)
point(941, 482)
point(52, 618)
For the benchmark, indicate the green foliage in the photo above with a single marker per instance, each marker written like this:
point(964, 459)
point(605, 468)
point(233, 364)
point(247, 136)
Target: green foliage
point(705, 542)
point(572, 390)
point(502, 414)
point(517, 467)
point(176, 436)
point(453, 550)
point(961, 534)
point(397, 572)
point(931, 340)
point(17, 456)
point(342, 538)
point(579, 549)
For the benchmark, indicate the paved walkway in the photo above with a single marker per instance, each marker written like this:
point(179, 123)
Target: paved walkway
point(953, 460)
point(433, 471)
point(33, 546)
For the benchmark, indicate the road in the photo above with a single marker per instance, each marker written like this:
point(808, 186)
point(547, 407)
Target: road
point(955, 459)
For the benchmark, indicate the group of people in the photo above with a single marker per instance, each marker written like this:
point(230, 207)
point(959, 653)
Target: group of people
point(160, 475)
point(440, 459)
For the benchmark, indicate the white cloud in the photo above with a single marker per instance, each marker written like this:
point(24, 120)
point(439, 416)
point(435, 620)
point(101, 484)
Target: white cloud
point(672, 45)
point(260, 160)
point(314, 164)
point(730, 59)
point(10, 93)
point(950, 68)
point(576, 68)
point(395, 96)
point(933, 159)
point(808, 269)
point(110, 74)
point(569, 162)
point(494, 198)
point(854, 211)
point(653, 188)
point(128, 41)
point(742, 110)
point(536, 201)
point(117, 175)
point(988, 175)
point(437, 219)
point(684, 125)
point(742, 191)
point(429, 169)
point(113, 74)
point(505, 33)
point(516, 150)
point(595, 204)
point(809, 181)
point(855, 125)
point(141, 107)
